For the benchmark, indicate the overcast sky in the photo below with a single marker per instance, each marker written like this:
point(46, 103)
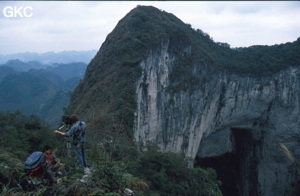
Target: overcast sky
point(79, 25)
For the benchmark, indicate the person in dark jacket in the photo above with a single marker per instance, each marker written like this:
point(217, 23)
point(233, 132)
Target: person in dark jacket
point(51, 164)
point(78, 132)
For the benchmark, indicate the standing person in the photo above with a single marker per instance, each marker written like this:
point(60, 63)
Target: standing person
point(78, 131)
point(51, 164)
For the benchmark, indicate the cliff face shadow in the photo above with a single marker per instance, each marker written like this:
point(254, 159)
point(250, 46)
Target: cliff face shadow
point(237, 169)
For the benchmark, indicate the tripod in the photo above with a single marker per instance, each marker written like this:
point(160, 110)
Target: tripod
point(67, 142)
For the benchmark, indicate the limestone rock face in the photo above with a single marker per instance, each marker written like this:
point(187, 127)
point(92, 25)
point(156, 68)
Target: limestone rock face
point(223, 113)
point(171, 84)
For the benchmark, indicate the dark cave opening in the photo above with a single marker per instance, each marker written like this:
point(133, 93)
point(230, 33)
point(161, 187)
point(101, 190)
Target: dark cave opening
point(237, 169)
point(226, 168)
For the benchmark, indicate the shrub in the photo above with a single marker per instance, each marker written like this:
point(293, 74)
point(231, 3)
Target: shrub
point(168, 174)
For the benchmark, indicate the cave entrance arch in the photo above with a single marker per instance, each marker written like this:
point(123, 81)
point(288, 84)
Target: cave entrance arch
point(234, 155)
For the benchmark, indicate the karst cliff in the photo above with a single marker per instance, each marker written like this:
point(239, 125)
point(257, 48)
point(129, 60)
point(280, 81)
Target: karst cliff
point(176, 88)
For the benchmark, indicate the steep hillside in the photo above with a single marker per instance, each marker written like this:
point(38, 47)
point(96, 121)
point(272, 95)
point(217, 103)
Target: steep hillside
point(109, 82)
point(161, 82)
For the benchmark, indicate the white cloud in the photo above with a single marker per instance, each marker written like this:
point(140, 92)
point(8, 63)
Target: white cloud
point(76, 25)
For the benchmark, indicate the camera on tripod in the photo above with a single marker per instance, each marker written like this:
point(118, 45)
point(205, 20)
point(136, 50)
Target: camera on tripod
point(66, 119)
point(67, 123)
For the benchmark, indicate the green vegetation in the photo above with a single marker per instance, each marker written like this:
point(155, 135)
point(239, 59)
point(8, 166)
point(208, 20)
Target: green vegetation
point(254, 61)
point(116, 165)
point(22, 134)
point(168, 174)
point(148, 28)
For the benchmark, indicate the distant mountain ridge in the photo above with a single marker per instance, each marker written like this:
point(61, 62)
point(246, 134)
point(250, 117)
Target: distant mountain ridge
point(35, 88)
point(19, 65)
point(51, 57)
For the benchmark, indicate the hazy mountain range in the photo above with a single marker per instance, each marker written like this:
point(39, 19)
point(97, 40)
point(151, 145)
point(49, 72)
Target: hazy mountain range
point(37, 88)
point(51, 57)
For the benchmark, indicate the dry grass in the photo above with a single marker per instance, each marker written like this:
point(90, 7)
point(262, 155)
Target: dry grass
point(290, 156)
point(287, 152)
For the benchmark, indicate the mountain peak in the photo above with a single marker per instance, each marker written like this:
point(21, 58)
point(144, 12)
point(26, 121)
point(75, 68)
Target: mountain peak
point(145, 29)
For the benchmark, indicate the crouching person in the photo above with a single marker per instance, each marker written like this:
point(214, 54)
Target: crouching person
point(52, 165)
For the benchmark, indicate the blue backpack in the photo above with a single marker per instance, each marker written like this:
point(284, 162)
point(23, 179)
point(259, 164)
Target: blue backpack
point(80, 132)
point(33, 160)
